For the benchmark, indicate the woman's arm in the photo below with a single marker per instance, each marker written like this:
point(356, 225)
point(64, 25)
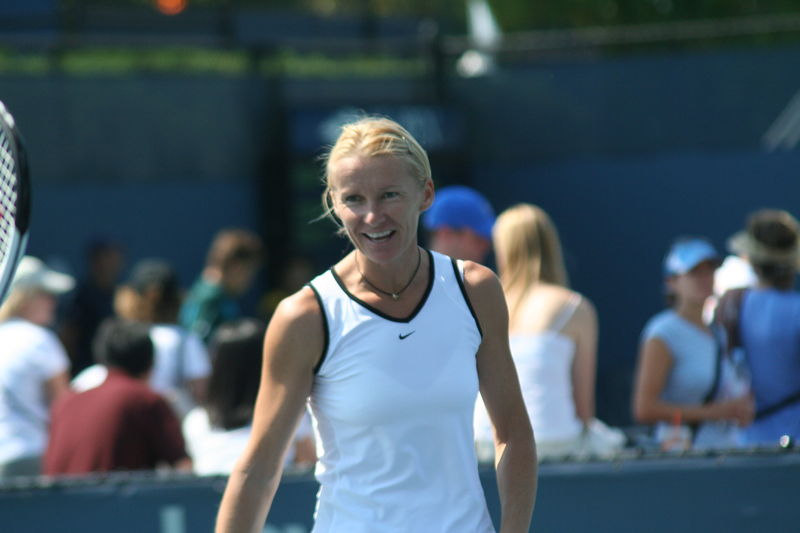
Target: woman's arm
point(56, 386)
point(292, 347)
point(515, 450)
point(584, 365)
point(654, 367)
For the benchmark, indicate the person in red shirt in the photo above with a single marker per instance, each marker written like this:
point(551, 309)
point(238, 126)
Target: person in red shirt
point(122, 424)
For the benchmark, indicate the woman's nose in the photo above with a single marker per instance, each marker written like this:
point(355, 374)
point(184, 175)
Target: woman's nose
point(374, 214)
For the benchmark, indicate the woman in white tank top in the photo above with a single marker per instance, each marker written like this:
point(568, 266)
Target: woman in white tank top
point(553, 334)
point(390, 347)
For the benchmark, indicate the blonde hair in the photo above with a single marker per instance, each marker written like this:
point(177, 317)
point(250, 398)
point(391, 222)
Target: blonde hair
point(15, 303)
point(528, 252)
point(373, 137)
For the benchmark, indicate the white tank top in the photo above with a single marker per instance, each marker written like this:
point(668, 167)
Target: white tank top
point(392, 403)
point(544, 365)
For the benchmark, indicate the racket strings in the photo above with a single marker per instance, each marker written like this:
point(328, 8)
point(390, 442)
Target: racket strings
point(8, 193)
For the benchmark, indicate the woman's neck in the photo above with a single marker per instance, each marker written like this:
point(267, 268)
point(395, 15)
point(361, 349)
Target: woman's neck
point(691, 312)
point(393, 276)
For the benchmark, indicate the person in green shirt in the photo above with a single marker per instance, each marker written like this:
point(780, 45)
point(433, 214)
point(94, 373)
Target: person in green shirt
point(233, 259)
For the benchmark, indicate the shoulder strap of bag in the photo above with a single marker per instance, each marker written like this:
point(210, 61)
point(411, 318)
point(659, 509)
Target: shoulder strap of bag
point(774, 408)
point(712, 390)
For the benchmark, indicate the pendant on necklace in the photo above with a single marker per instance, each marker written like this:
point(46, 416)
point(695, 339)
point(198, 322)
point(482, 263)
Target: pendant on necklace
point(395, 296)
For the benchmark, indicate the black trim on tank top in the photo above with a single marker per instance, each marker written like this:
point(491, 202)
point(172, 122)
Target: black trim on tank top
point(324, 329)
point(381, 314)
point(464, 293)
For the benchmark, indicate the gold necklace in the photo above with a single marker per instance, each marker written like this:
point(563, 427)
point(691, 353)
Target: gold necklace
point(395, 295)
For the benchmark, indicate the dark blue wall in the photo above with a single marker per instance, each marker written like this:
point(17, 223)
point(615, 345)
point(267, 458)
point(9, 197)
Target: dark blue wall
point(726, 493)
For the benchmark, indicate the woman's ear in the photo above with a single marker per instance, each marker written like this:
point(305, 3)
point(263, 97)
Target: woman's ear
point(331, 201)
point(428, 195)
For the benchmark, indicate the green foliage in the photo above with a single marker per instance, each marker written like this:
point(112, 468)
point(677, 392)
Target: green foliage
point(105, 61)
point(112, 61)
point(520, 15)
point(23, 63)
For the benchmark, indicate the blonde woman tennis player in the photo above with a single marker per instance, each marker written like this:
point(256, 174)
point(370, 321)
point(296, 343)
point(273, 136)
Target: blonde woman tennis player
point(390, 347)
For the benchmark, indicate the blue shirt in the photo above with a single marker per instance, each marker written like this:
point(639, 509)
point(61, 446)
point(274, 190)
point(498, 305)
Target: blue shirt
point(694, 354)
point(770, 330)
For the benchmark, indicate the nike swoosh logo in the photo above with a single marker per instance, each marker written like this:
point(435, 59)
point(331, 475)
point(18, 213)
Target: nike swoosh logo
point(401, 337)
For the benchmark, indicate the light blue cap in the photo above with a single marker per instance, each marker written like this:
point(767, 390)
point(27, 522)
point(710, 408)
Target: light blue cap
point(685, 254)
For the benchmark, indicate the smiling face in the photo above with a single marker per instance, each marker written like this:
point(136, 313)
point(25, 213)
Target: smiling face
point(379, 203)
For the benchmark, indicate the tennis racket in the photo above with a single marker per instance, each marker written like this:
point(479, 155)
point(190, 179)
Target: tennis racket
point(15, 202)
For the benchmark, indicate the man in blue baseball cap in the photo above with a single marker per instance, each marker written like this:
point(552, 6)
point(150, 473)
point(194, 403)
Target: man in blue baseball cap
point(460, 223)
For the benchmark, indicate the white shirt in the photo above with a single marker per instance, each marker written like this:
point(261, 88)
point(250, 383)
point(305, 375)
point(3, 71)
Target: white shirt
point(544, 365)
point(215, 451)
point(392, 404)
point(179, 356)
point(733, 273)
point(30, 355)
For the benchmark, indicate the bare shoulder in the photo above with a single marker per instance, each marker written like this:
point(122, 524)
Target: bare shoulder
point(586, 310)
point(477, 275)
point(486, 296)
point(296, 328)
point(481, 282)
point(301, 306)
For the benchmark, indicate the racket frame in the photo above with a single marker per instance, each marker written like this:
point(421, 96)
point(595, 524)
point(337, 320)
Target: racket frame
point(19, 233)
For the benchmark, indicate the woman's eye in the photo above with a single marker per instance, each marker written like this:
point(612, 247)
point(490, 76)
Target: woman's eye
point(390, 194)
point(351, 198)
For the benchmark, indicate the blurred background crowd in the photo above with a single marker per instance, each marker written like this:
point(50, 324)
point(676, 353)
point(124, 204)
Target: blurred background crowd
point(138, 374)
point(174, 147)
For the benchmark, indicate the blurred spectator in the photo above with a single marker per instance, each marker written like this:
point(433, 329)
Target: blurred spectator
point(152, 295)
point(735, 272)
point(122, 424)
point(296, 272)
point(91, 302)
point(553, 336)
point(233, 259)
point(217, 433)
point(765, 322)
point(460, 223)
point(681, 362)
point(34, 368)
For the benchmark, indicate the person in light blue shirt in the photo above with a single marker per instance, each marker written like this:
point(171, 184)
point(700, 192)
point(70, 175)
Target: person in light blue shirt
point(769, 324)
point(677, 376)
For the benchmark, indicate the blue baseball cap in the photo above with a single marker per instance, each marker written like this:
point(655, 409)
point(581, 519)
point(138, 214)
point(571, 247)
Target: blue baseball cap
point(457, 207)
point(685, 254)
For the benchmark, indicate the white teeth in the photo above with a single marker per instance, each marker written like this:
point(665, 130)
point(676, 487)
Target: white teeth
point(379, 235)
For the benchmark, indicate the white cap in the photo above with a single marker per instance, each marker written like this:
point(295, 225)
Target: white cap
point(32, 273)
